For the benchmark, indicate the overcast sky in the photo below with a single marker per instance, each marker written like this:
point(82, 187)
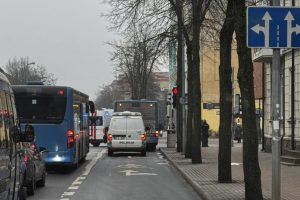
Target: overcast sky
point(66, 36)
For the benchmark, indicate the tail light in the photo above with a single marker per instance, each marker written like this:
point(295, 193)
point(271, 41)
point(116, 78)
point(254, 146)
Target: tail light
point(156, 133)
point(143, 137)
point(25, 158)
point(109, 137)
point(71, 139)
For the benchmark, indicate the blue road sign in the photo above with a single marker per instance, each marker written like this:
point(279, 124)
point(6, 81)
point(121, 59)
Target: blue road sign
point(273, 27)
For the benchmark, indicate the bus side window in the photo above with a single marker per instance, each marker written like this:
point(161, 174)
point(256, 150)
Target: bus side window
point(85, 117)
point(77, 118)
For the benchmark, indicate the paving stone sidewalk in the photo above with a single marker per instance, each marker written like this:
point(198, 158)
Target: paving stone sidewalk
point(203, 177)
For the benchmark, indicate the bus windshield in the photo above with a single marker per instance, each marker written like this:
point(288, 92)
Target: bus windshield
point(47, 105)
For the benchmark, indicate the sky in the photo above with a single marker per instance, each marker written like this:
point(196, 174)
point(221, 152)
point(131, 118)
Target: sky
point(67, 37)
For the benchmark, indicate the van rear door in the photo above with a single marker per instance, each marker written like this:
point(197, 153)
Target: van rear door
point(118, 131)
point(135, 128)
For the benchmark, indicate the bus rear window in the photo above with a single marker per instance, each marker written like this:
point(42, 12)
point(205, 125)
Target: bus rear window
point(41, 106)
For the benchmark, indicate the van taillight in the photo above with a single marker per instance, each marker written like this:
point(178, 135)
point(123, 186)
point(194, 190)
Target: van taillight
point(109, 137)
point(156, 133)
point(143, 137)
point(71, 139)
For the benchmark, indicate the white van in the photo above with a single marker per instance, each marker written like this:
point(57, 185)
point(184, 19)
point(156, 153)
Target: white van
point(126, 133)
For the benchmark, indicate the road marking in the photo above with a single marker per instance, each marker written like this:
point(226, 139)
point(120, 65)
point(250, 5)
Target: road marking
point(68, 193)
point(77, 183)
point(161, 157)
point(129, 157)
point(131, 166)
point(73, 187)
point(163, 163)
point(136, 173)
point(82, 177)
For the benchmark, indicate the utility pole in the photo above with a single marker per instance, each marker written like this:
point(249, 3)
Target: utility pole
point(276, 110)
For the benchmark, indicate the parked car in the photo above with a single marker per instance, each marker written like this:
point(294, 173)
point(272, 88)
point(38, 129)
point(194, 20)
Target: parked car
point(35, 167)
point(126, 133)
point(12, 169)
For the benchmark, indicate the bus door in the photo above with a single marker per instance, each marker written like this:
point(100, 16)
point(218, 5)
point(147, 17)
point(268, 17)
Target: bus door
point(77, 127)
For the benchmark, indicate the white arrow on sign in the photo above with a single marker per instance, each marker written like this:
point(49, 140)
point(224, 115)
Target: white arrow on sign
point(290, 30)
point(136, 173)
point(265, 29)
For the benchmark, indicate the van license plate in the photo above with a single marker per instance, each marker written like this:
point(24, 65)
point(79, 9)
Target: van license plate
point(119, 138)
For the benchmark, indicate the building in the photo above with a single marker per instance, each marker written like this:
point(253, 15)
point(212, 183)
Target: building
point(210, 91)
point(290, 95)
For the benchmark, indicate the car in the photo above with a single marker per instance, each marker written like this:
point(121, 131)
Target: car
point(12, 169)
point(126, 133)
point(35, 166)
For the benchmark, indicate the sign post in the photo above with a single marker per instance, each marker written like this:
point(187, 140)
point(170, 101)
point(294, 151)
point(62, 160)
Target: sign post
point(274, 27)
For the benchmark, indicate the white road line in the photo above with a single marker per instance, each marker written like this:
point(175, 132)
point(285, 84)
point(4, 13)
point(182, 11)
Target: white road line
point(77, 183)
point(161, 157)
point(68, 193)
point(163, 163)
point(81, 178)
point(73, 188)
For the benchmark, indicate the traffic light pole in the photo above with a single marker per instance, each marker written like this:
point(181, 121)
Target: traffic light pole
point(275, 107)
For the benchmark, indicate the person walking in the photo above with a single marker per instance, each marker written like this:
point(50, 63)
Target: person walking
point(205, 128)
point(238, 133)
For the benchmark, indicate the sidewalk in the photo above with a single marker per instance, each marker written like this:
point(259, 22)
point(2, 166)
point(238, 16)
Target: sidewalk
point(203, 177)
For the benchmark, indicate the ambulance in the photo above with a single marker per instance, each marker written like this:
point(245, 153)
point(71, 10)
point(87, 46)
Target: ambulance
point(98, 125)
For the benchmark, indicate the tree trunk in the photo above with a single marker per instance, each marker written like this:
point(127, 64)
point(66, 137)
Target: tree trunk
point(224, 157)
point(196, 102)
point(188, 150)
point(252, 171)
point(180, 63)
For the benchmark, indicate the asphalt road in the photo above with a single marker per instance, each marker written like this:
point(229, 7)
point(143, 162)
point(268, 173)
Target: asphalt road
point(121, 177)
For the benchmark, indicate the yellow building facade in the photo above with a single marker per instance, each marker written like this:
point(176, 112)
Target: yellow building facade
point(209, 76)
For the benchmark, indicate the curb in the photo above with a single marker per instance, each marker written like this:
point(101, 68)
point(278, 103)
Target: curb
point(192, 183)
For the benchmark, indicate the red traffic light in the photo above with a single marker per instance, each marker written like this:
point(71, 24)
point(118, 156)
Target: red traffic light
point(175, 91)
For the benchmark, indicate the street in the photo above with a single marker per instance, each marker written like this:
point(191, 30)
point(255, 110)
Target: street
point(123, 176)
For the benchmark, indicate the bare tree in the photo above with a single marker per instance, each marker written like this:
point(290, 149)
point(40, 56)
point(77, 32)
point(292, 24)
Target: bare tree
point(225, 72)
point(190, 25)
point(105, 97)
point(137, 57)
point(19, 71)
point(251, 167)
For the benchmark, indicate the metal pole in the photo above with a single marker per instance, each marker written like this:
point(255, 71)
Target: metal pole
point(276, 108)
point(293, 96)
point(183, 99)
point(233, 104)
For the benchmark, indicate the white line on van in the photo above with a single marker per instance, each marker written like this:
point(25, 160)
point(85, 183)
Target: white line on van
point(78, 181)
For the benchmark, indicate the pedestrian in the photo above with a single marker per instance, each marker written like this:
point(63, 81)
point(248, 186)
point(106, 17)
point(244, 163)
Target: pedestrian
point(205, 128)
point(238, 133)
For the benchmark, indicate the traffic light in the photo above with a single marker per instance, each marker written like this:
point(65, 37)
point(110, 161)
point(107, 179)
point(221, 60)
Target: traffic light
point(174, 96)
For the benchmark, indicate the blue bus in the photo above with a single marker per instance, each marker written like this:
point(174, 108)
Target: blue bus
point(59, 116)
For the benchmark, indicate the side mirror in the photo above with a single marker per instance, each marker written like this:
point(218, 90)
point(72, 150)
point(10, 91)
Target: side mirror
point(29, 134)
